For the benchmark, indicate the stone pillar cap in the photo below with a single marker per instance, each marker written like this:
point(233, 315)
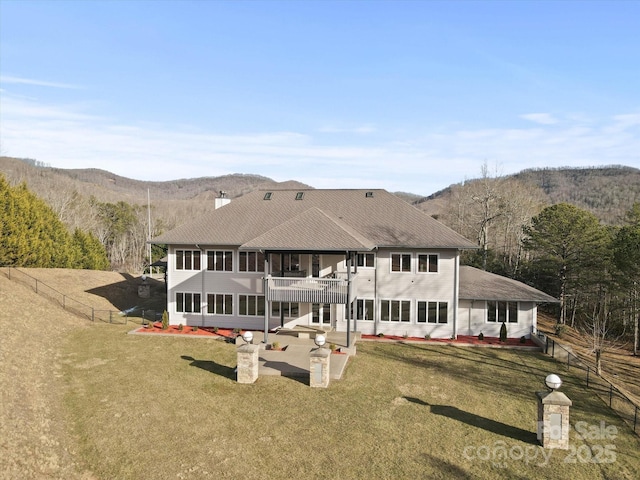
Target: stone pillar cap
point(554, 398)
point(320, 352)
point(248, 347)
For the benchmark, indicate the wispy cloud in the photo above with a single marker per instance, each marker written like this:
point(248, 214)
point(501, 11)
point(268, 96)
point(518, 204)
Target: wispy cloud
point(541, 118)
point(71, 136)
point(362, 129)
point(39, 83)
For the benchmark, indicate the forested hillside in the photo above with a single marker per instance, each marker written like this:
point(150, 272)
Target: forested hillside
point(607, 192)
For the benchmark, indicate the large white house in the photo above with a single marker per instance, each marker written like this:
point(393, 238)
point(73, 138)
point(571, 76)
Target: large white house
point(349, 260)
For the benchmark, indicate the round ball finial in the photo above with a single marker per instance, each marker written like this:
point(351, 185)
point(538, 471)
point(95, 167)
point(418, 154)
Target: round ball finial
point(320, 340)
point(247, 336)
point(553, 381)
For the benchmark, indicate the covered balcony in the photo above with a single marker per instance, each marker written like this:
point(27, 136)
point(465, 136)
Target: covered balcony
point(307, 290)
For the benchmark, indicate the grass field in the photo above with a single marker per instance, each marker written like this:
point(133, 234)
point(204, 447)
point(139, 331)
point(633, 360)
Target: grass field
point(145, 407)
point(84, 400)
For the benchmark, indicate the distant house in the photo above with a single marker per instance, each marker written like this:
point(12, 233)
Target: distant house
point(356, 260)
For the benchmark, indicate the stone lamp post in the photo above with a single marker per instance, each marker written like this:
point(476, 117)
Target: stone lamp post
point(553, 415)
point(319, 360)
point(248, 360)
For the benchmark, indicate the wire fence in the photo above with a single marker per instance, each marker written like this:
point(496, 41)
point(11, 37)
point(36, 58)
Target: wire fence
point(78, 308)
point(626, 408)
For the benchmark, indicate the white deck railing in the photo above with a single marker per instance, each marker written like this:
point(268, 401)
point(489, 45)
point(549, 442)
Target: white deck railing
point(307, 290)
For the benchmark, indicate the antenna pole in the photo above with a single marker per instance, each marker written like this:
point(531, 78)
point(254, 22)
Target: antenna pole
point(149, 229)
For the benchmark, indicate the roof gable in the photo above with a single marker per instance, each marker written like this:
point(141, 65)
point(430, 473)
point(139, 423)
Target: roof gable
point(314, 230)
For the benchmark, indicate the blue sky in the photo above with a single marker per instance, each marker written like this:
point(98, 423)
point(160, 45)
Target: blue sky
point(407, 96)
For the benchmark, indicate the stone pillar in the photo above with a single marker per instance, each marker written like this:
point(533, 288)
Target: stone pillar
point(553, 419)
point(319, 367)
point(144, 290)
point(248, 363)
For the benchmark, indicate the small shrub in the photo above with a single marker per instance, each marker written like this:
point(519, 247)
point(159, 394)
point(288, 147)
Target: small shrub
point(215, 329)
point(503, 332)
point(333, 347)
point(275, 346)
point(180, 327)
point(523, 339)
point(481, 336)
point(165, 320)
point(236, 331)
point(560, 329)
point(381, 334)
point(427, 337)
point(194, 328)
point(405, 336)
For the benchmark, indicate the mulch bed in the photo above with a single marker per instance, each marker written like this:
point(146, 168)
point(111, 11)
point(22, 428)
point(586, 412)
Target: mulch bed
point(230, 335)
point(156, 328)
point(461, 340)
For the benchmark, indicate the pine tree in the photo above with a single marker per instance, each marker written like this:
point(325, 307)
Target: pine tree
point(570, 250)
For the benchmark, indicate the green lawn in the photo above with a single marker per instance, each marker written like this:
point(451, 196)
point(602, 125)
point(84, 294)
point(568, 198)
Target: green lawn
point(156, 407)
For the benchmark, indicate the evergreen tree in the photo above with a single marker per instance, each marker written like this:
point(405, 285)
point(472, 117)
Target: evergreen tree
point(569, 251)
point(626, 255)
point(89, 252)
point(32, 235)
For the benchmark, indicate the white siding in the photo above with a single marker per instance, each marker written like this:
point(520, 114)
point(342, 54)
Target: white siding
point(475, 320)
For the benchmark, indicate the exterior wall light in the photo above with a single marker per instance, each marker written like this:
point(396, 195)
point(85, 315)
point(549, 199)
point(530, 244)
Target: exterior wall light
point(553, 381)
point(247, 336)
point(320, 340)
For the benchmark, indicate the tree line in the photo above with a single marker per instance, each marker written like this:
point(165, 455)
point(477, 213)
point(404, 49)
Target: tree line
point(591, 267)
point(32, 235)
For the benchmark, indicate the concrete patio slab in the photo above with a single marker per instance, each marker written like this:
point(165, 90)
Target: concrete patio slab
point(293, 360)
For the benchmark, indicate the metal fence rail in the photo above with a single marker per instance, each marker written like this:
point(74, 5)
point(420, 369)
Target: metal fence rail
point(65, 301)
point(626, 408)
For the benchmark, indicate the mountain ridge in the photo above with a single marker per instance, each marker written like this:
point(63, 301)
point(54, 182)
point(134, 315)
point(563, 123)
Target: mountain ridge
point(607, 191)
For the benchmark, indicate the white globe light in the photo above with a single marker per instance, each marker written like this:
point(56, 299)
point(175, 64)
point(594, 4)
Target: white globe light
point(320, 340)
point(553, 381)
point(247, 336)
point(144, 277)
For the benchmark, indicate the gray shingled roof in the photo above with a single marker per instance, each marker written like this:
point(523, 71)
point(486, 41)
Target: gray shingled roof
point(322, 220)
point(476, 284)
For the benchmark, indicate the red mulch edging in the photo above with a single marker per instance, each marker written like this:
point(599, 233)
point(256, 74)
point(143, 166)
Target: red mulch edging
point(461, 340)
point(156, 328)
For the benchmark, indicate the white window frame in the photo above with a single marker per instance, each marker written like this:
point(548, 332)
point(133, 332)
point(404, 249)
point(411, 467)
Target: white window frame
point(401, 304)
point(256, 303)
point(428, 319)
point(192, 254)
point(360, 310)
point(507, 311)
point(429, 259)
point(401, 264)
point(196, 305)
point(364, 257)
point(245, 263)
point(226, 254)
point(225, 298)
point(290, 307)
